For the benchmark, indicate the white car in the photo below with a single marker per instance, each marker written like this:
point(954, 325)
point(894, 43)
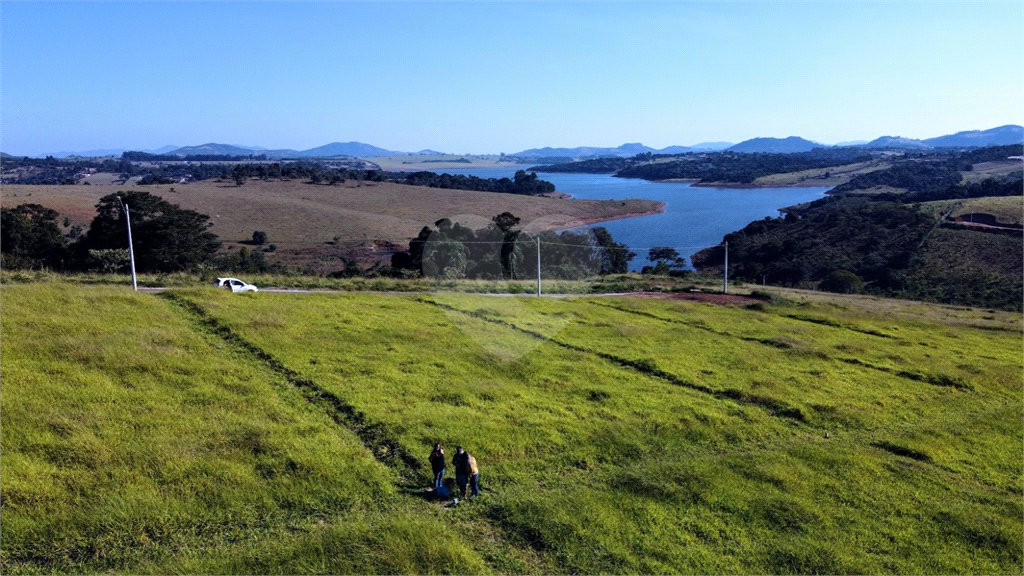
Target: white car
point(235, 285)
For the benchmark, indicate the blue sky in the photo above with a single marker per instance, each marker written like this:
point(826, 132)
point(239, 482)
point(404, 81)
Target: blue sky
point(500, 76)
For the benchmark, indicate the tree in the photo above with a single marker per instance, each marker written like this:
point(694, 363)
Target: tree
point(616, 256)
point(666, 259)
point(509, 255)
point(239, 173)
point(166, 237)
point(30, 235)
point(445, 259)
point(259, 238)
point(505, 221)
point(110, 260)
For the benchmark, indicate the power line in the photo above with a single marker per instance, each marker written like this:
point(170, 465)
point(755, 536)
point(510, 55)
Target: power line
point(573, 245)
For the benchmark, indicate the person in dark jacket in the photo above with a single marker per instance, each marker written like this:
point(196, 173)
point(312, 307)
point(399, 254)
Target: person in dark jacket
point(437, 465)
point(466, 472)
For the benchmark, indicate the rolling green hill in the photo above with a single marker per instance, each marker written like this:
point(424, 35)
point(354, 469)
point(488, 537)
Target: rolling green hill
point(200, 431)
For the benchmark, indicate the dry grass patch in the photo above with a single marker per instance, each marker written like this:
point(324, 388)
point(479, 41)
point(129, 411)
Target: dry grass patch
point(301, 219)
point(831, 176)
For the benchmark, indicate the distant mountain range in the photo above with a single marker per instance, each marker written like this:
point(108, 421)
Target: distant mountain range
point(1003, 135)
point(357, 149)
point(896, 142)
point(105, 152)
point(626, 150)
point(1009, 134)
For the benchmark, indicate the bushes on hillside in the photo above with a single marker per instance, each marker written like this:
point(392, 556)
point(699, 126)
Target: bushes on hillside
point(30, 237)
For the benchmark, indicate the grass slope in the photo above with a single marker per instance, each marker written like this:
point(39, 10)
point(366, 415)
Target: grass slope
point(832, 176)
point(133, 442)
point(301, 218)
point(617, 435)
point(1005, 209)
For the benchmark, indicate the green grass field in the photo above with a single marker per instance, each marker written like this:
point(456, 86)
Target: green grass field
point(1005, 209)
point(832, 176)
point(436, 162)
point(200, 431)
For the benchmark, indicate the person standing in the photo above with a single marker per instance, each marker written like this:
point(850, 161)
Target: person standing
point(466, 471)
point(474, 476)
point(437, 465)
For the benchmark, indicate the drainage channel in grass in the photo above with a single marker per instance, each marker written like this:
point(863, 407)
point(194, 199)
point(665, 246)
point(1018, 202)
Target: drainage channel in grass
point(700, 326)
point(374, 435)
point(941, 380)
point(770, 405)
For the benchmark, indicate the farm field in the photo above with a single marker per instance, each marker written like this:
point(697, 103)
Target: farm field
point(200, 431)
point(1005, 209)
point(832, 176)
point(303, 219)
point(985, 170)
point(436, 162)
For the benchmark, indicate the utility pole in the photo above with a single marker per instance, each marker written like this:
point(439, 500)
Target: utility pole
point(131, 249)
point(725, 278)
point(538, 266)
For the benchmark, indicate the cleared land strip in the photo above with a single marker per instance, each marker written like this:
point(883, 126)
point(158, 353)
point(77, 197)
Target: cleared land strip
point(374, 435)
point(772, 406)
point(934, 380)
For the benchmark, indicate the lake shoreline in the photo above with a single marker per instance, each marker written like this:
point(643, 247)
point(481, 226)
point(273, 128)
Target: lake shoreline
point(696, 183)
point(597, 220)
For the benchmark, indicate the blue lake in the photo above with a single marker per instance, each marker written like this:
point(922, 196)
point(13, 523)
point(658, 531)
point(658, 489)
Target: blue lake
point(694, 217)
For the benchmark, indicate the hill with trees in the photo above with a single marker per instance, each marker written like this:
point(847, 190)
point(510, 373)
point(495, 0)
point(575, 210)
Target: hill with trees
point(890, 243)
point(1001, 136)
point(739, 167)
point(775, 145)
point(898, 142)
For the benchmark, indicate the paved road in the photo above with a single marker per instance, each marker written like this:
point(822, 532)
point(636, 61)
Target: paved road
point(325, 291)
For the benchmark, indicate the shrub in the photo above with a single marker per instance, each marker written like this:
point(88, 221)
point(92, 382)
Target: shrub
point(843, 282)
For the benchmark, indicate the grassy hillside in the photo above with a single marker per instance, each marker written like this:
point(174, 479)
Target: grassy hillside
point(208, 432)
point(831, 176)
point(134, 442)
point(886, 246)
point(303, 219)
point(1005, 209)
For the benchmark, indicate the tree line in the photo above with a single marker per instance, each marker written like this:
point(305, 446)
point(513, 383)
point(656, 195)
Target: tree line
point(55, 171)
point(450, 250)
point(920, 170)
point(742, 168)
point(134, 156)
point(168, 238)
point(708, 167)
point(521, 183)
